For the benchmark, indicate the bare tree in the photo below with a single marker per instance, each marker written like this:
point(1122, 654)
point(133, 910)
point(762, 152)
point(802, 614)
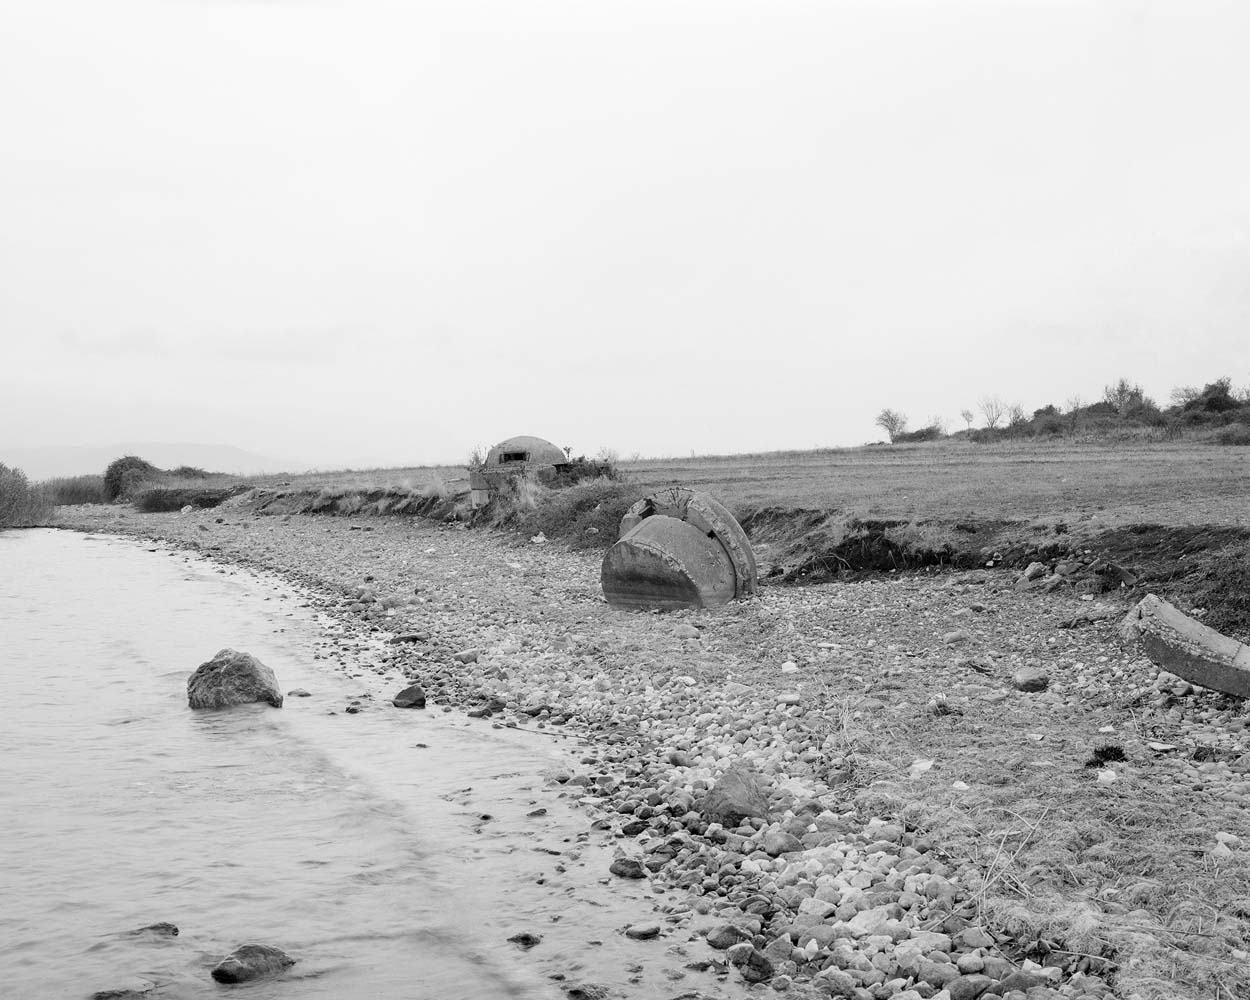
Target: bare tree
point(940, 423)
point(968, 416)
point(1183, 394)
point(1016, 415)
point(992, 408)
point(892, 422)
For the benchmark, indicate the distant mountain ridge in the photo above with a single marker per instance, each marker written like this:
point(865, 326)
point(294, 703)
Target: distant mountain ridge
point(79, 460)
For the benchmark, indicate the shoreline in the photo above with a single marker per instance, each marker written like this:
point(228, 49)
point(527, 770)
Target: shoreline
point(881, 711)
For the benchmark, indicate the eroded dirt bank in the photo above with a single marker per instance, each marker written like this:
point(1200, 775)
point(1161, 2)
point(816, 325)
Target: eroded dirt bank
point(938, 831)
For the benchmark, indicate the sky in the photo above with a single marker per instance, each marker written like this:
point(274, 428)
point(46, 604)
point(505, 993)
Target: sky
point(372, 233)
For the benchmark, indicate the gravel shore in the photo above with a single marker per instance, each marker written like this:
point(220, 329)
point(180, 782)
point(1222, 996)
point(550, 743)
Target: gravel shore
point(972, 792)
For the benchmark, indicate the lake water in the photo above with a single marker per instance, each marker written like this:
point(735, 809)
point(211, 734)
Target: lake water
point(387, 868)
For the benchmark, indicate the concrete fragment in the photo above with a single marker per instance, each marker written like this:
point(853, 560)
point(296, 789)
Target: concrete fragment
point(1186, 647)
point(670, 560)
point(666, 563)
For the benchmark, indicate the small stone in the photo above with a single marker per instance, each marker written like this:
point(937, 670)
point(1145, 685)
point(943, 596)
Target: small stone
point(779, 842)
point(628, 868)
point(957, 636)
point(251, 961)
point(1031, 679)
point(412, 696)
point(755, 968)
point(968, 987)
point(298, 693)
point(727, 935)
point(686, 631)
point(642, 932)
point(467, 655)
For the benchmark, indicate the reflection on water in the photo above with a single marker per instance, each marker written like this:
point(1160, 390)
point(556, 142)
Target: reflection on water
point(356, 843)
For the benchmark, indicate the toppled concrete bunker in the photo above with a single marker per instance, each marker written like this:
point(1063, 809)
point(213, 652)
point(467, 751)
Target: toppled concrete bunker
point(518, 456)
point(1185, 647)
point(678, 549)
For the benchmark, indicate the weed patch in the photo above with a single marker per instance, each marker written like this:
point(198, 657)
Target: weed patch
point(22, 504)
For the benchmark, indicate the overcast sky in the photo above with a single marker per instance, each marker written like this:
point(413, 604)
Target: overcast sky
point(364, 233)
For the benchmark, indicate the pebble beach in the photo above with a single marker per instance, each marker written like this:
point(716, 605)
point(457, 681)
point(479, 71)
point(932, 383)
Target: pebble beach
point(970, 791)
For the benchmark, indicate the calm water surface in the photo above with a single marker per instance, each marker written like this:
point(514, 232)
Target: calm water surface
point(336, 837)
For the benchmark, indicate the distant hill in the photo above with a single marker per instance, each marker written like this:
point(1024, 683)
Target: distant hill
point(77, 460)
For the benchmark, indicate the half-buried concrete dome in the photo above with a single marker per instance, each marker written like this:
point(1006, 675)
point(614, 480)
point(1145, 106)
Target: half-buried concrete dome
point(525, 452)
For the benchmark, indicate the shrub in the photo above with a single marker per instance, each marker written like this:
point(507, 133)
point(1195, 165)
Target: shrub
point(931, 433)
point(587, 515)
point(1048, 410)
point(21, 504)
point(582, 468)
point(1050, 426)
point(1216, 397)
point(75, 489)
point(163, 499)
point(124, 474)
point(1233, 434)
point(189, 472)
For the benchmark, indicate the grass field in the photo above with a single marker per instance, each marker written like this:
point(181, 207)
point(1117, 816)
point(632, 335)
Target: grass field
point(1117, 484)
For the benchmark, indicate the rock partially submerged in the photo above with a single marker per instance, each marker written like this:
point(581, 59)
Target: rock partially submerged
point(1184, 646)
point(678, 549)
point(251, 961)
point(232, 678)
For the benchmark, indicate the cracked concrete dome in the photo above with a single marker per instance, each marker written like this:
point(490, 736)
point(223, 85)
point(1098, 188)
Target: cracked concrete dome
point(525, 450)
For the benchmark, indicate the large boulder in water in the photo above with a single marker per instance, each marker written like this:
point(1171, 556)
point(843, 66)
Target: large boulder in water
point(251, 961)
point(232, 678)
point(678, 549)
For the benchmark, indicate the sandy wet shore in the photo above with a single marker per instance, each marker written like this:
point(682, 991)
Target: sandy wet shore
point(935, 831)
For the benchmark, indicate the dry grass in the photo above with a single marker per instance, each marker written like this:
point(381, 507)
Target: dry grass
point(75, 489)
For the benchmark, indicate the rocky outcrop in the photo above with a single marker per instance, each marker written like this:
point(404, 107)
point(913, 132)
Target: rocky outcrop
point(251, 961)
point(232, 678)
point(1184, 646)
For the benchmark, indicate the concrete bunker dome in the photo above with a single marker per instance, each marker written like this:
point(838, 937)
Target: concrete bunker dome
point(525, 451)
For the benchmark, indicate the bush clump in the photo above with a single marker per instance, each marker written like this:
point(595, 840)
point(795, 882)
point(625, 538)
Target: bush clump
point(931, 433)
point(189, 472)
point(124, 475)
point(22, 505)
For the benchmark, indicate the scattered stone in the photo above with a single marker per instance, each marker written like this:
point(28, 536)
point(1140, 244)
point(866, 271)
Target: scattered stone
point(467, 655)
point(251, 961)
point(232, 678)
point(412, 696)
point(298, 693)
point(726, 935)
point(1031, 679)
point(957, 636)
point(405, 637)
point(160, 929)
point(686, 631)
point(643, 932)
point(737, 795)
point(1035, 570)
point(525, 940)
point(628, 868)
point(753, 965)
